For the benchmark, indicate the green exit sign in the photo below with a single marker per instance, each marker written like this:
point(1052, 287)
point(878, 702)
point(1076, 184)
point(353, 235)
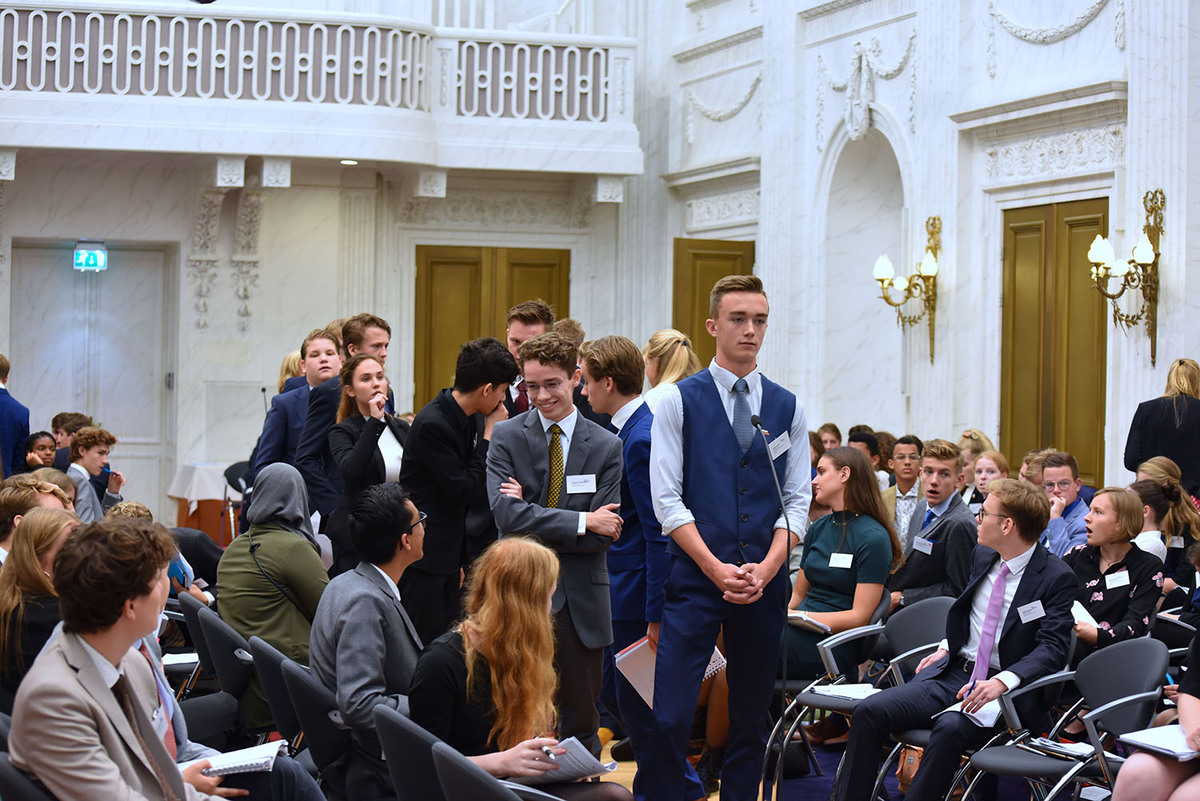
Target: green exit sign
point(91, 257)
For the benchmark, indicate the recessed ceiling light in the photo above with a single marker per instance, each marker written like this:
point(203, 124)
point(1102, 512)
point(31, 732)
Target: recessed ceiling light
point(348, 162)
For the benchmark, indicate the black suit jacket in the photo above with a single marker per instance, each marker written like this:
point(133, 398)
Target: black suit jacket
point(946, 568)
point(1033, 649)
point(1167, 427)
point(354, 451)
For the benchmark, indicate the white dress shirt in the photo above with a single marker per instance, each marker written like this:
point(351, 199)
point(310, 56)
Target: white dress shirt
point(393, 454)
point(567, 426)
point(666, 454)
point(387, 579)
point(623, 414)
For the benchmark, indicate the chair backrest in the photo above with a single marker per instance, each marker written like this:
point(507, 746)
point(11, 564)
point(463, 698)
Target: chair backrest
point(316, 708)
point(461, 778)
point(191, 616)
point(408, 751)
point(268, 663)
point(5, 728)
point(922, 623)
point(16, 786)
point(1171, 632)
point(1121, 669)
point(223, 643)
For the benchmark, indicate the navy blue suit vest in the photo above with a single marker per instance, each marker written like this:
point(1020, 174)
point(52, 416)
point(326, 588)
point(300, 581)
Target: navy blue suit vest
point(731, 494)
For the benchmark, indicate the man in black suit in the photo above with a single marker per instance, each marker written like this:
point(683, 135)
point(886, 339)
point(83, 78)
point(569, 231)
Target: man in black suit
point(445, 470)
point(1014, 618)
point(941, 533)
point(363, 333)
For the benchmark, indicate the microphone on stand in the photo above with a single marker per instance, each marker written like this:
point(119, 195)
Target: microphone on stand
point(757, 423)
point(266, 409)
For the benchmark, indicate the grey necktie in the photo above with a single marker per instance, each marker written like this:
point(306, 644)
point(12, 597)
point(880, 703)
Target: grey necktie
point(741, 415)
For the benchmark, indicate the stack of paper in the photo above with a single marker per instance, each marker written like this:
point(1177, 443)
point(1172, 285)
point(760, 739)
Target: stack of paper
point(578, 763)
point(636, 663)
point(1165, 740)
point(247, 760)
point(854, 691)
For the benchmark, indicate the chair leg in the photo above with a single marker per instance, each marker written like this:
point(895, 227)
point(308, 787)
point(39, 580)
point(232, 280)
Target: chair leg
point(881, 776)
point(186, 688)
point(809, 753)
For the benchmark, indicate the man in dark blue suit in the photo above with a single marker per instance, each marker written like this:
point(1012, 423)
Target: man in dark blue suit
point(362, 333)
point(1011, 625)
point(613, 373)
point(14, 426)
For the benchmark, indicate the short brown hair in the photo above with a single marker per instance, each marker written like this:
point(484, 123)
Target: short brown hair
point(1128, 506)
point(354, 330)
point(130, 509)
point(617, 358)
point(104, 564)
point(733, 283)
point(90, 437)
point(5, 366)
point(946, 451)
point(830, 428)
point(550, 348)
point(571, 329)
point(532, 312)
point(319, 333)
point(19, 494)
point(70, 422)
point(1025, 504)
point(1061, 459)
point(997, 458)
point(56, 477)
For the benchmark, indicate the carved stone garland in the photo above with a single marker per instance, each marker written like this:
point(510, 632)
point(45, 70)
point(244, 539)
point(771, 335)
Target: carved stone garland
point(202, 261)
point(859, 86)
point(695, 104)
point(1045, 36)
point(245, 261)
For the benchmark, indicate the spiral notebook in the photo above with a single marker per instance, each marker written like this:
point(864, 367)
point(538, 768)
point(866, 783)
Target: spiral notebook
point(637, 664)
point(247, 760)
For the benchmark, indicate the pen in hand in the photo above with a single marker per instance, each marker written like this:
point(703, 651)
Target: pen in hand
point(549, 752)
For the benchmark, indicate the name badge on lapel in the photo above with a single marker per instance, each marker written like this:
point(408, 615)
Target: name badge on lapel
point(580, 484)
point(160, 722)
point(1118, 579)
point(780, 445)
point(923, 545)
point(1031, 611)
point(842, 560)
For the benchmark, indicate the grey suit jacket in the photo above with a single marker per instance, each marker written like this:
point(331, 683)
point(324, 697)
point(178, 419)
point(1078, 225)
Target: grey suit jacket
point(519, 450)
point(364, 648)
point(70, 732)
point(88, 507)
point(946, 569)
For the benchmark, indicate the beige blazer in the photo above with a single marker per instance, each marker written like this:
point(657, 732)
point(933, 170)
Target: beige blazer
point(70, 732)
point(889, 502)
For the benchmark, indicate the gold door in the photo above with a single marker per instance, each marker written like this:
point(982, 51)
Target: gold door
point(700, 263)
point(1054, 335)
point(465, 292)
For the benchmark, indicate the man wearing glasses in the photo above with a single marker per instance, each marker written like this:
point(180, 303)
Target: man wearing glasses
point(1060, 480)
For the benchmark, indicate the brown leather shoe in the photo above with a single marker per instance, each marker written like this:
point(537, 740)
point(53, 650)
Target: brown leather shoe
point(831, 729)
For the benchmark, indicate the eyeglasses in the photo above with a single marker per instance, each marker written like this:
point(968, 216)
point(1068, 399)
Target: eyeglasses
point(421, 516)
point(982, 513)
point(1063, 485)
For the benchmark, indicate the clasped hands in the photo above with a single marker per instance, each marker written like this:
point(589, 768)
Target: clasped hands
point(605, 521)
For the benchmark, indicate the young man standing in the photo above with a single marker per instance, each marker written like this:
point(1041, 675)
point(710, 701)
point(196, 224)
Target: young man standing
point(445, 471)
point(554, 475)
point(14, 426)
point(716, 499)
point(613, 372)
point(1060, 480)
point(941, 536)
point(526, 320)
point(903, 497)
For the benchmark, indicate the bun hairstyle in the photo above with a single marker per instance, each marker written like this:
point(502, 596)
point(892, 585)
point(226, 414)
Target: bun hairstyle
point(1182, 519)
point(673, 356)
point(974, 442)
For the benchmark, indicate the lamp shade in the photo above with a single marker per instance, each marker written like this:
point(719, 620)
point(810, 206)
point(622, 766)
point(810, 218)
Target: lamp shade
point(883, 268)
point(929, 265)
point(1117, 268)
point(1143, 251)
point(1101, 251)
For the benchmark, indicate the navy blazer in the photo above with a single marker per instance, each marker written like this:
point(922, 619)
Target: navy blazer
point(281, 430)
point(14, 430)
point(1030, 650)
point(322, 476)
point(638, 561)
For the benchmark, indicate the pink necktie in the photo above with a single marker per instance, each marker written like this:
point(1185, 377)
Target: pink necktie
point(991, 621)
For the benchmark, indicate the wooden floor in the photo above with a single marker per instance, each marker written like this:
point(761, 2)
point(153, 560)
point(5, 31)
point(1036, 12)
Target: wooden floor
point(623, 775)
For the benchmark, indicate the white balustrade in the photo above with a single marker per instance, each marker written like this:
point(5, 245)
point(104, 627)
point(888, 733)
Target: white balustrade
point(518, 80)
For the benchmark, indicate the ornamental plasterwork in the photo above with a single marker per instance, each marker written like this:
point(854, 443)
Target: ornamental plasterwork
point(245, 261)
point(695, 104)
point(866, 64)
point(1063, 152)
point(1052, 34)
point(722, 210)
point(486, 207)
point(202, 261)
point(8, 165)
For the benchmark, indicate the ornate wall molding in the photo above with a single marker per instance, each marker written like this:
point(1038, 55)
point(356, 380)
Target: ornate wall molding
point(8, 165)
point(719, 211)
point(482, 206)
point(202, 261)
point(1058, 153)
point(717, 45)
point(277, 173)
point(866, 64)
point(695, 104)
point(1052, 34)
point(245, 261)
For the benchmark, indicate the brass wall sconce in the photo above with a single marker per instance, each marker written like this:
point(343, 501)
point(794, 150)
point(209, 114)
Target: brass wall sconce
point(922, 283)
point(1139, 273)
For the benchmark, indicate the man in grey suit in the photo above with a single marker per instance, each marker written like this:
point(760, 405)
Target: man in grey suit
point(363, 646)
point(941, 534)
point(556, 476)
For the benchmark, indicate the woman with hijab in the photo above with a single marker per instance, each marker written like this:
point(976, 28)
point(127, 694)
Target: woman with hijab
point(271, 577)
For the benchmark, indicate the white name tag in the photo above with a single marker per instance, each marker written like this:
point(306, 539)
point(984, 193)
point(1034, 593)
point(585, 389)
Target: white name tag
point(779, 446)
point(580, 484)
point(842, 560)
point(923, 545)
point(1118, 579)
point(1031, 611)
point(1176, 542)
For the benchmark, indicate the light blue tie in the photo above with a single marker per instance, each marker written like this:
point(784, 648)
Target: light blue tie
point(741, 415)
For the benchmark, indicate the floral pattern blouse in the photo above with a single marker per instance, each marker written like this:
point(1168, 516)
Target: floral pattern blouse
point(1121, 604)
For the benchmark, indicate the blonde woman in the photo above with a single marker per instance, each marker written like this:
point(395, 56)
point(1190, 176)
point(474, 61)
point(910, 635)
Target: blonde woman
point(973, 444)
point(669, 358)
point(1170, 425)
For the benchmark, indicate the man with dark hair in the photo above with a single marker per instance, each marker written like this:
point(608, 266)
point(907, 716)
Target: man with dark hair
point(529, 319)
point(903, 497)
point(363, 646)
point(63, 426)
point(866, 442)
point(1010, 626)
point(445, 471)
point(556, 476)
point(362, 333)
point(1060, 480)
point(14, 426)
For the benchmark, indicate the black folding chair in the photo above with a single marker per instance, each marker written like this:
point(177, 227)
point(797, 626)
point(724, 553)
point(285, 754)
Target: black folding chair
point(190, 608)
point(229, 651)
point(328, 738)
point(462, 779)
point(16, 786)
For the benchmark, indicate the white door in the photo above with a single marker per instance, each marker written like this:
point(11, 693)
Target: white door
point(97, 343)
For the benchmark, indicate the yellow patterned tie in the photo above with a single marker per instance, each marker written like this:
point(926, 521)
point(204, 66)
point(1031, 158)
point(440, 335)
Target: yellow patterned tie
point(556, 467)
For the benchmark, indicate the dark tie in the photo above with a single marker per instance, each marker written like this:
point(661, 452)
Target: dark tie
point(991, 622)
point(929, 515)
point(522, 402)
point(741, 415)
point(556, 467)
point(125, 699)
